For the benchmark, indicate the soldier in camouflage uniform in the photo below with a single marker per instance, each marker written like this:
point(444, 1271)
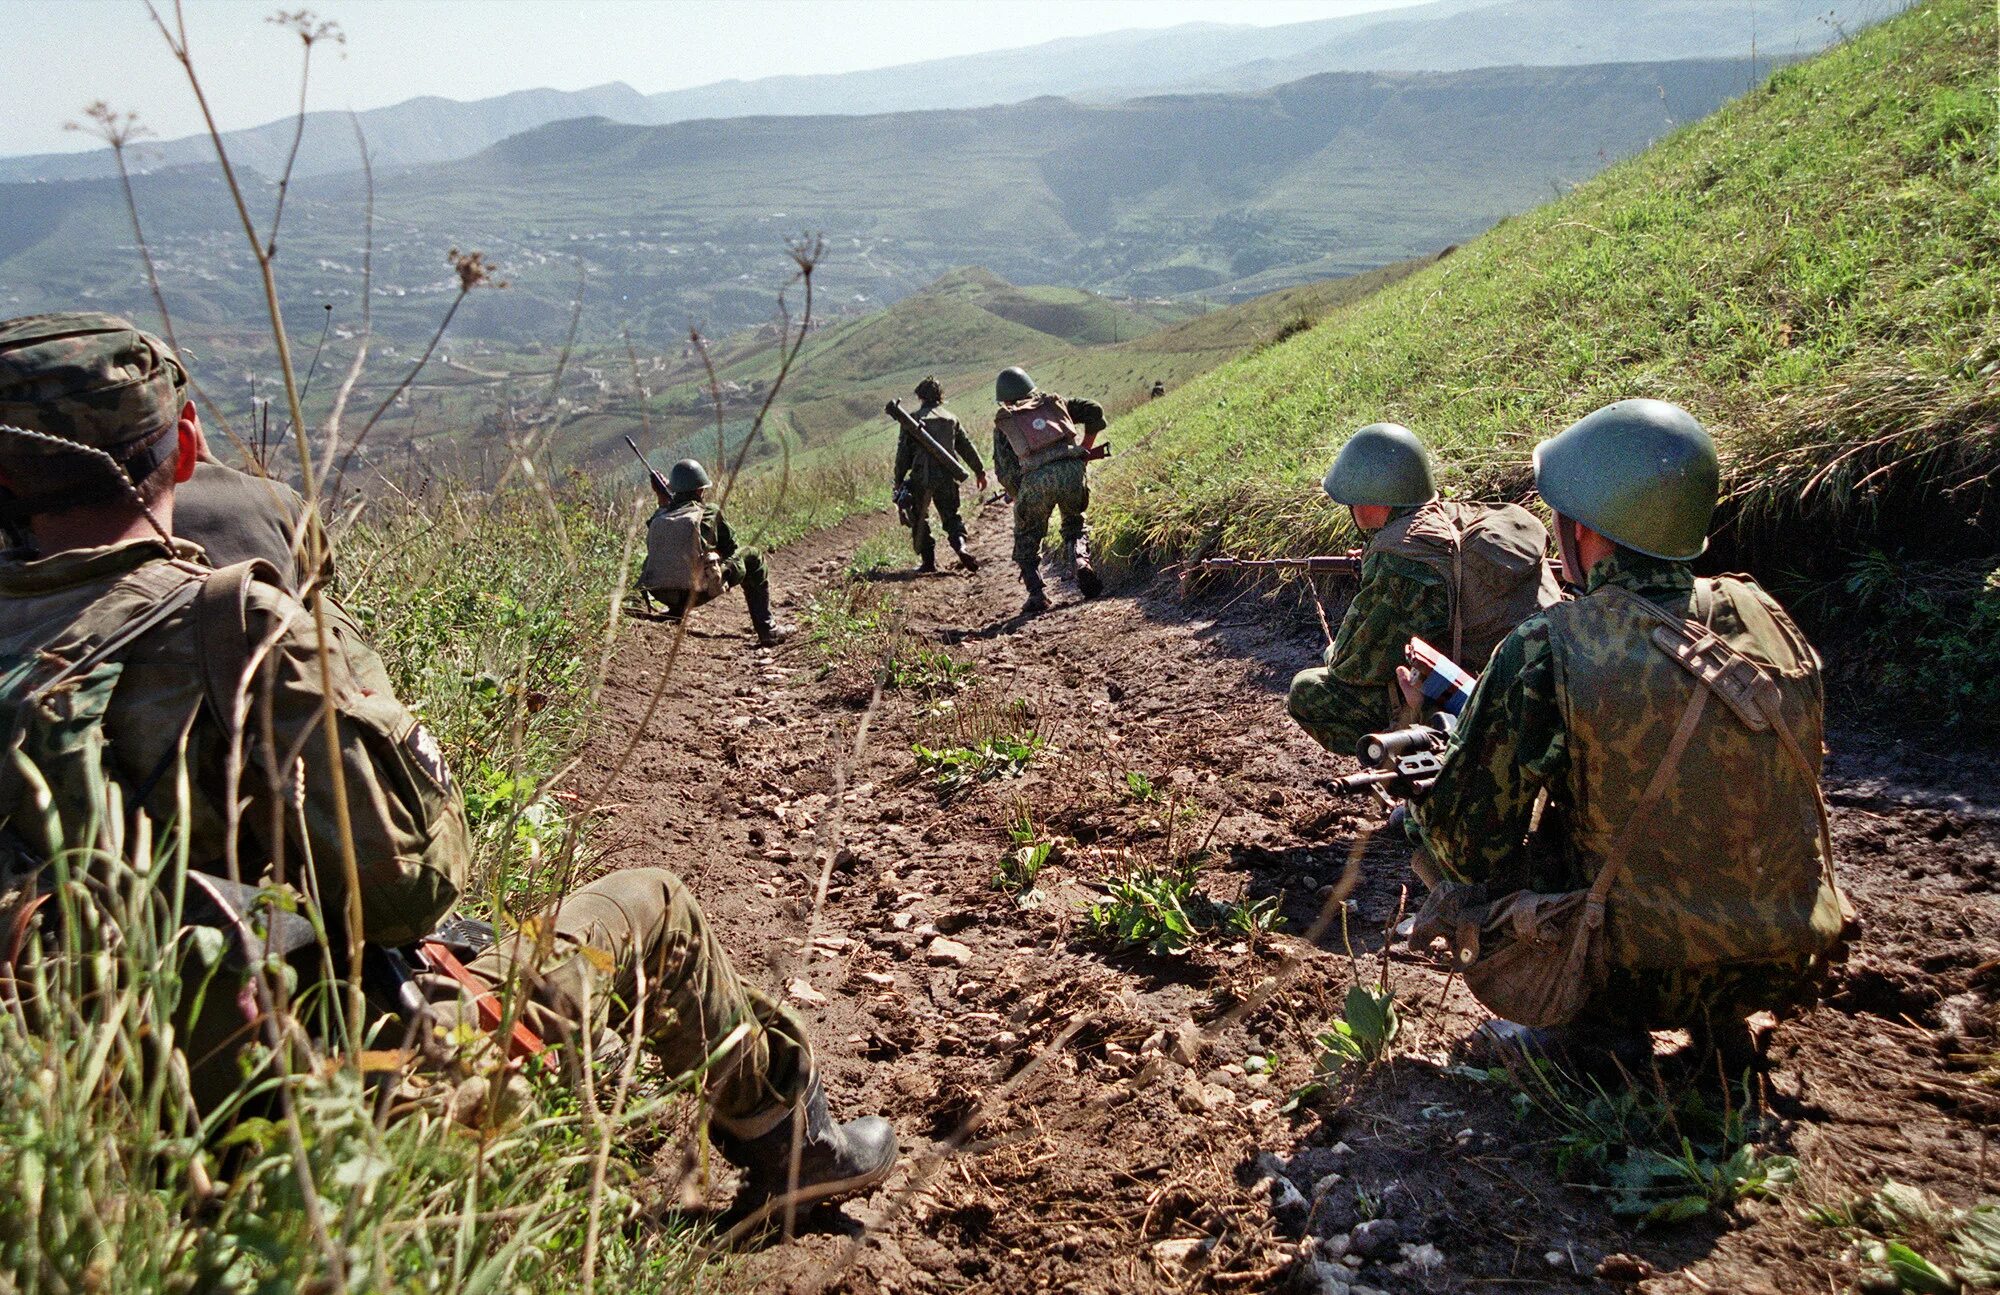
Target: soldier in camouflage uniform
point(1706, 798)
point(1457, 575)
point(927, 481)
point(1043, 482)
point(152, 647)
point(745, 568)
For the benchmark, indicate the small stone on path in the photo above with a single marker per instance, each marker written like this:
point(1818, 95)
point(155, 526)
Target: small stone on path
point(944, 951)
point(805, 993)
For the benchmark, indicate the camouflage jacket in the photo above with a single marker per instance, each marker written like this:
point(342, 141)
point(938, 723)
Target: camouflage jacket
point(410, 840)
point(916, 465)
point(1579, 703)
point(1398, 598)
point(1088, 415)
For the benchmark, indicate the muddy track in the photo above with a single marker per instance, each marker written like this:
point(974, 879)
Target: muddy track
point(1126, 1137)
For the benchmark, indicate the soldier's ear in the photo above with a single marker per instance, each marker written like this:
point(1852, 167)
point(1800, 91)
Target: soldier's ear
point(190, 416)
point(189, 435)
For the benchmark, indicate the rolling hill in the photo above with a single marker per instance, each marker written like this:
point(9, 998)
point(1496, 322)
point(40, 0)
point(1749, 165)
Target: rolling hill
point(1812, 272)
point(1213, 195)
point(1444, 35)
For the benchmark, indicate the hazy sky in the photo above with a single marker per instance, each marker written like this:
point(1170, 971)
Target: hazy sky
point(61, 54)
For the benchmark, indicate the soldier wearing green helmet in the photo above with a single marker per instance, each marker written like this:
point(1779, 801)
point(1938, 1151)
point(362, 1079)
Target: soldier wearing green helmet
point(1042, 446)
point(692, 555)
point(1457, 575)
point(1672, 726)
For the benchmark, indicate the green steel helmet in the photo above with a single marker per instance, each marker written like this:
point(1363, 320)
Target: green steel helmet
point(687, 476)
point(1012, 385)
point(1641, 473)
point(1382, 464)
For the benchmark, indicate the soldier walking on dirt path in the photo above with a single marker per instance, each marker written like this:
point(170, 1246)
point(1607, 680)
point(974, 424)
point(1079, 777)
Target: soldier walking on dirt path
point(1042, 461)
point(922, 481)
point(130, 657)
point(692, 555)
point(1457, 575)
point(1673, 724)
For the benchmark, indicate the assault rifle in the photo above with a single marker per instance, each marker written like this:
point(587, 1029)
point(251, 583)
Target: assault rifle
point(1401, 762)
point(910, 423)
point(660, 486)
point(1341, 564)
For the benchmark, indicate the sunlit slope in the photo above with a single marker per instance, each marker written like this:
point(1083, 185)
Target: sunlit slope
point(1812, 270)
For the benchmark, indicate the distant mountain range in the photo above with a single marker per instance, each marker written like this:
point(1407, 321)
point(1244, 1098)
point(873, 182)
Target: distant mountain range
point(1444, 35)
point(1221, 195)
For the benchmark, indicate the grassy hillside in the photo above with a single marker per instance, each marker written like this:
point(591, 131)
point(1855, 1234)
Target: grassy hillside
point(1812, 271)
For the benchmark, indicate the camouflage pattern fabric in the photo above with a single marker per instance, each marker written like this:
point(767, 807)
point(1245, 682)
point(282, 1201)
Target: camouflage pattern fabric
point(1352, 694)
point(1063, 484)
point(1579, 704)
point(408, 825)
point(91, 378)
point(640, 927)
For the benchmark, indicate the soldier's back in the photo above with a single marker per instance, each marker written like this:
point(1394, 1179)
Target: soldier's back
point(235, 516)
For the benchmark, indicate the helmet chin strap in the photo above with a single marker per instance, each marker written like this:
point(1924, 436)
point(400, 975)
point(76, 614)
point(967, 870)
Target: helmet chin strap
point(1572, 560)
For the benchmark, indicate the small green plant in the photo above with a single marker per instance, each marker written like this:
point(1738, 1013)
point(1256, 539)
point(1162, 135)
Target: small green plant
point(1140, 787)
point(843, 620)
point(954, 768)
point(928, 670)
point(1661, 1155)
point(1898, 1227)
point(1166, 911)
point(1361, 1036)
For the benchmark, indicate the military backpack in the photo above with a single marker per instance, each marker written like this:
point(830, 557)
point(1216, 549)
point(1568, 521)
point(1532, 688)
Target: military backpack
point(678, 560)
point(1036, 426)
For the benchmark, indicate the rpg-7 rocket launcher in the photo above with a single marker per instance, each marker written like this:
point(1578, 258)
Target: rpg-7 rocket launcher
point(910, 423)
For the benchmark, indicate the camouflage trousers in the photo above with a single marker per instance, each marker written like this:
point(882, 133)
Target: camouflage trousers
point(1337, 714)
point(1063, 484)
point(924, 494)
point(636, 943)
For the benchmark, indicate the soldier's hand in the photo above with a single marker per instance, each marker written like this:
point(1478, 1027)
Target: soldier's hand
point(1411, 690)
point(980, 483)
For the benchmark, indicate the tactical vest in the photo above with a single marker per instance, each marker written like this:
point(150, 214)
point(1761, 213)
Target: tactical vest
point(1729, 869)
point(1493, 558)
point(678, 559)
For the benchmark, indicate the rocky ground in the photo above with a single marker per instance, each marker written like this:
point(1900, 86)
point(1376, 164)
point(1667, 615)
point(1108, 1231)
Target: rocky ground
point(1084, 1117)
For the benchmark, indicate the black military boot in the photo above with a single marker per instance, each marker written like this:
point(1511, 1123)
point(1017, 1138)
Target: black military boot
point(927, 558)
point(1088, 582)
point(1583, 1049)
point(965, 558)
point(834, 1160)
point(1038, 598)
point(769, 633)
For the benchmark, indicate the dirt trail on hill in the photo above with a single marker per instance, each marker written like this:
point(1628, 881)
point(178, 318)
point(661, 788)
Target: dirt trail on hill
point(1128, 1138)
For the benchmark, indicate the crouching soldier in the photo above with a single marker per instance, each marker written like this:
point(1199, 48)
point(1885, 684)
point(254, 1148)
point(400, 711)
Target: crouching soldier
point(1042, 445)
point(138, 683)
point(692, 555)
point(923, 481)
point(1460, 576)
point(1673, 724)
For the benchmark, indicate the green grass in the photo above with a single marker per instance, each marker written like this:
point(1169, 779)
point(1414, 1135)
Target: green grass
point(1812, 271)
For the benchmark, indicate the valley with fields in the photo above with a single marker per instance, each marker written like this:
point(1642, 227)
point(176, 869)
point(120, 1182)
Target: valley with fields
point(1155, 989)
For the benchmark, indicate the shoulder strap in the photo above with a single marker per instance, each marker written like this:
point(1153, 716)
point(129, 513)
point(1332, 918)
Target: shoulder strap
point(123, 637)
point(222, 628)
point(1748, 691)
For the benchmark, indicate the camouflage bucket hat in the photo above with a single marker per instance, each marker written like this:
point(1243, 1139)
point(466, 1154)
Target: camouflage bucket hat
point(94, 379)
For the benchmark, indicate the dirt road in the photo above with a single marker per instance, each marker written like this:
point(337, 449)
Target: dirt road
point(1084, 1119)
